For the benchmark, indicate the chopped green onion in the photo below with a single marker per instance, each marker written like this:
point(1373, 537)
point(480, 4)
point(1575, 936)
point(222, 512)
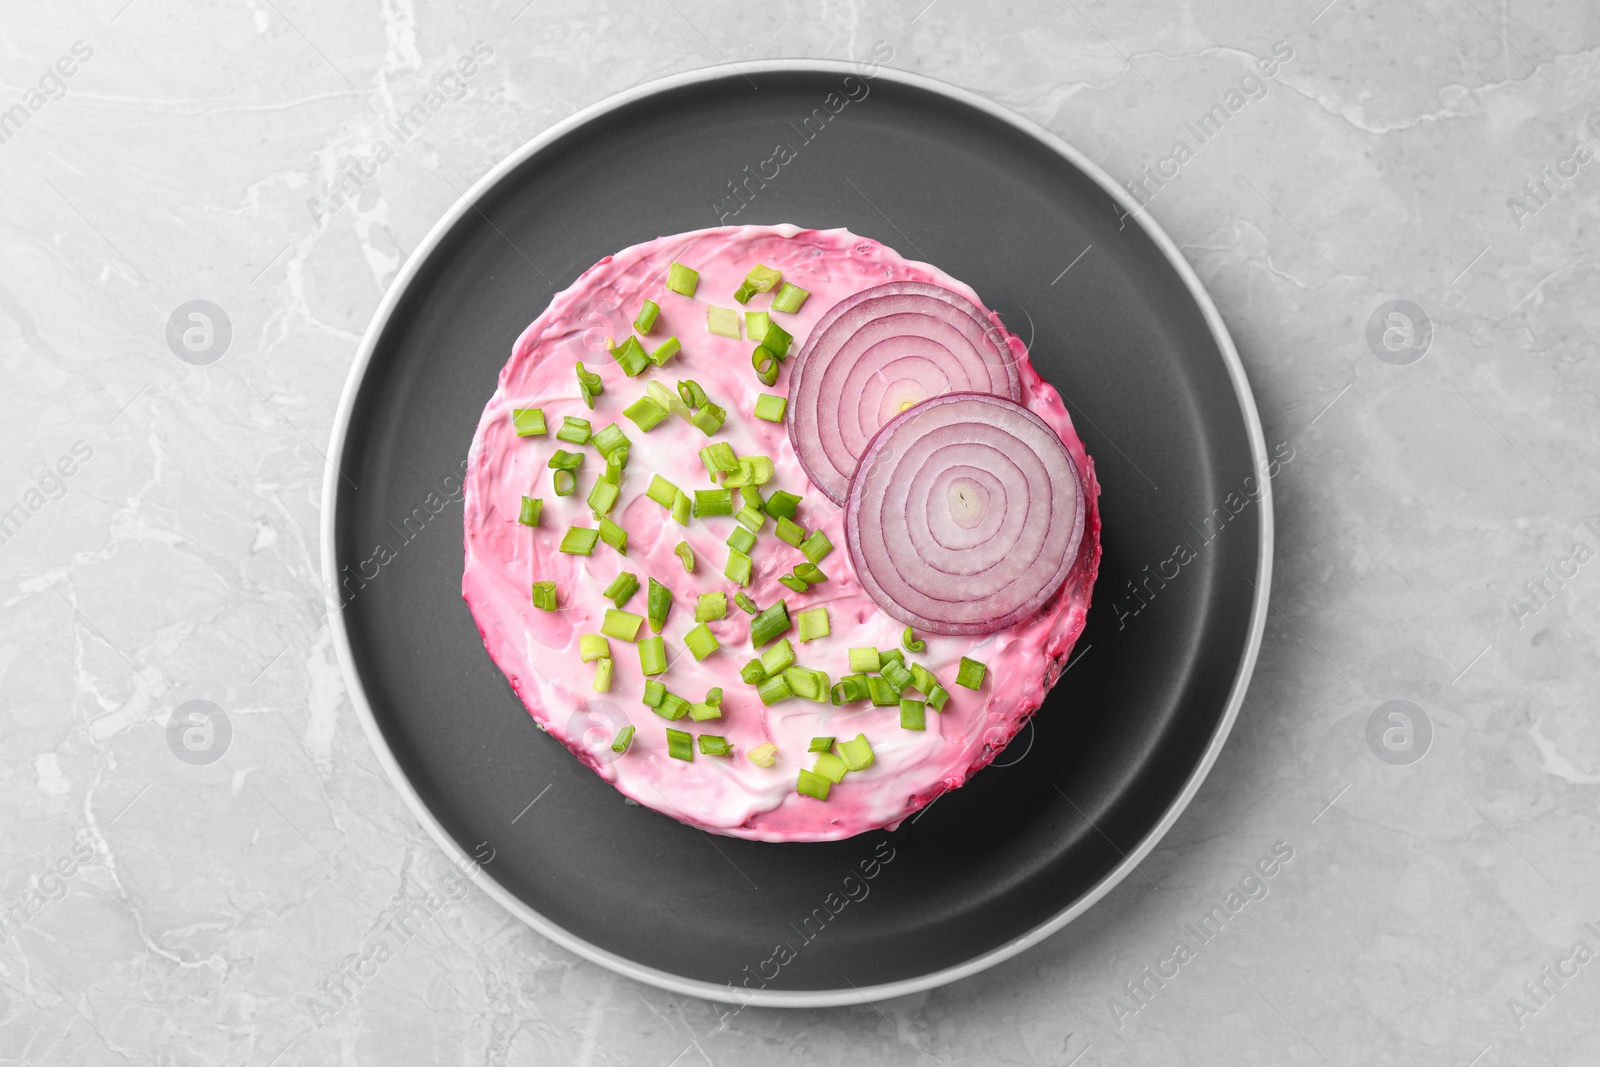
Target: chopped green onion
point(603, 497)
point(719, 458)
point(937, 697)
point(773, 622)
point(864, 660)
point(658, 603)
point(631, 357)
point(755, 324)
point(912, 716)
point(714, 696)
point(690, 393)
point(647, 316)
point(789, 298)
point(665, 351)
point(711, 607)
point(680, 508)
point(738, 569)
point(812, 784)
point(763, 755)
point(777, 341)
point(652, 655)
point(701, 641)
point(778, 658)
point(661, 491)
point(562, 460)
point(613, 535)
point(744, 292)
point(763, 279)
point(830, 767)
point(797, 584)
point(544, 596)
point(645, 413)
point(820, 744)
point(897, 675)
point(623, 741)
point(592, 647)
point(723, 321)
point(751, 518)
point(654, 693)
point(703, 712)
point(609, 439)
point(745, 604)
point(750, 497)
point(753, 673)
point(614, 465)
point(686, 554)
point(887, 654)
point(680, 744)
point(856, 753)
point(575, 431)
point(882, 693)
point(623, 625)
point(682, 280)
point(741, 540)
point(531, 507)
point(912, 642)
point(810, 573)
point(602, 675)
point(766, 364)
point(774, 689)
point(922, 679)
point(816, 546)
point(771, 407)
point(850, 689)
point(709, 419)
point(580, 541)
point(589, 383)
point(813, 623)
point(753, 470)
point(782, 505)
point(714, 745)
point(789, 531)
point(971, 673)
point(808, 683)
point(622, 587)
point(673, 707)
point(528, 422)
point(564, 482)
point(712, 502)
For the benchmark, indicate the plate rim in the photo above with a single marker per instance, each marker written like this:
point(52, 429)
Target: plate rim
point(729, 993)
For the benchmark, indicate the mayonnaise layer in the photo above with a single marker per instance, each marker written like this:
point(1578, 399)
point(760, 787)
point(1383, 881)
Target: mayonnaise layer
point(538, 651)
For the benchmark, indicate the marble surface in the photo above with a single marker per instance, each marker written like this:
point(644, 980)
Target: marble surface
point(178, 890)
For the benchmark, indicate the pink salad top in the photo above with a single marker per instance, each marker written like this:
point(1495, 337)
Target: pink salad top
point(538, 650)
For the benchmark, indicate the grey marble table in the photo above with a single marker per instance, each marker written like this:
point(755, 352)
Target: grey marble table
point(189, 895)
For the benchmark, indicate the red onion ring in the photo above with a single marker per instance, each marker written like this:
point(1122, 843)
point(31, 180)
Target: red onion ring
point(964, 515)
point(877, 352)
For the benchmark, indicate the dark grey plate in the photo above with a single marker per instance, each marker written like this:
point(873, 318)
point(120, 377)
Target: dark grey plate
point(1149, 375)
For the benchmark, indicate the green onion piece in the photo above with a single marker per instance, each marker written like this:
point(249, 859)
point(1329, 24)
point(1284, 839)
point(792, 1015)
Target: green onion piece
point(592, 647)
point(645, 413)
point(741, 540)
point(778, 658)
point(738, 569)
point(701, 641)
point(529, 422)
point(750, 497)
point(614, 465)
point(652, 655)
point(631, 356)
point(668, 399)
point(647, 316)
point(797, 584)
point(575, 431)
point(816, 546)
point(971, 673)
point(608, 439)
point(564, 482)
point(744, 292)
point(680, 508)
point(709, 419)
point(562, 460)
point(531, 507)
point(589, 383)
point(850, 689)
point(613, 535)
point(773, 622)
point(741, 477)
point(761, 469)
point(603, 497)
point(789, 298)
point(680, 744)
point(654, 693)
point(723, 321)
point(766, 364)
point(673, 707)
point(703, 712)
point(712, 502)
point(821, 744)
point(882, 693)
point(771, 690)
point(897, 675)
point(755, 324)
point(690, 393)
point(751, 518)
point(782, 505)
point(864, 660)
point(711, 607)
point(789, 531)
point(812, 784)
point(887, 654)
point(622, 587)
point(682, 280)
point(718, 458)
point(830, 767)
point(922, 679)
point(602, 675)
point(580, 541)
point(623, 741)
point(658, 603)
point(937, 697)
point(813, 623)
point(771, 407)
point(912, 642)
point(912, 716)
point(665, 351)
point(714, 696)
point(746, 605)
point(763, 278)
point(808, 683)
point(714, 745)
point(763, 755)
point(810, 573)
point(623, 625)
point(753, 673)
point(662, 491)
point(686, 554)
point(856, 753)
point(777, 341)
point(544, 596)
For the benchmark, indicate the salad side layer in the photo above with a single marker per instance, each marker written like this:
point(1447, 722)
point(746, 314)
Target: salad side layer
point(546, 570)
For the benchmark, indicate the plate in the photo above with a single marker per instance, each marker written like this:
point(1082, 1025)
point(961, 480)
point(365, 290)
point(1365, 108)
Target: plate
point(1116, 320)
